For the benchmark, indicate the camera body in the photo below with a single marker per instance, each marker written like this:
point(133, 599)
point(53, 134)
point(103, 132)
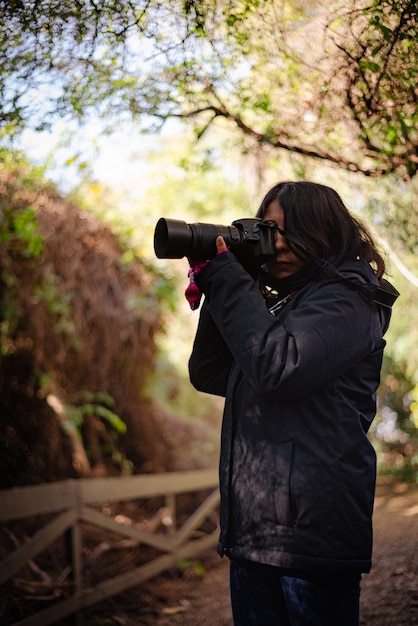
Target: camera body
point(250, 239)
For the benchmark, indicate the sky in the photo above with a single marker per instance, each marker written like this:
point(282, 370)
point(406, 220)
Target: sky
point(118, 160)
point(113, 159)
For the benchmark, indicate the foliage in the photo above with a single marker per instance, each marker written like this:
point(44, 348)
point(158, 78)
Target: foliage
point(20, 240)
point(390, 206)
point(22, 227)
point(94, 404)
point(18, 227)
point(379, 65)
point(196, 566)
point(334, 82)
point(396, 424)
point(135, 242)
point(73, 312)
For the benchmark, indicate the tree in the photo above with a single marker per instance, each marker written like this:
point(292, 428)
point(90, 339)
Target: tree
point(337, 84)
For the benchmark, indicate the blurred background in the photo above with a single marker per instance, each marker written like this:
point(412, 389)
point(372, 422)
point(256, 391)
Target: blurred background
point(114, 114)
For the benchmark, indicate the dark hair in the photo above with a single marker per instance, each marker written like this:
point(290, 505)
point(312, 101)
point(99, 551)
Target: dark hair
point(318, 218)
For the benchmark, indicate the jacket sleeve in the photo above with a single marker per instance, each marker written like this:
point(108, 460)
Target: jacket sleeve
point(328, 332)
point(211, 359)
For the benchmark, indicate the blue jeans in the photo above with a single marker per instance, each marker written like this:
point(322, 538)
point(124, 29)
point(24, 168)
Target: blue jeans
point(262, 596)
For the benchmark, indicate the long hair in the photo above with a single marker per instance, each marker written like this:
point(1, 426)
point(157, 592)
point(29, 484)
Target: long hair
point(318, 218)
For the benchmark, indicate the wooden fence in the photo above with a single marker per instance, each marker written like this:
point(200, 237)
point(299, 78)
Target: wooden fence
point(69, 504)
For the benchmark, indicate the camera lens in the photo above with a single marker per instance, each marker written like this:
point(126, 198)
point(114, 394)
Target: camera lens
point(172, 239)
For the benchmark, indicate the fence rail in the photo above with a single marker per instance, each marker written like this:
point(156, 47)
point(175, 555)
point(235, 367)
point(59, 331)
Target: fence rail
point(73, 501)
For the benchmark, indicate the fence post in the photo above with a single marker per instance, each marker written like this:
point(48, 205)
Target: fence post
point(74, 550)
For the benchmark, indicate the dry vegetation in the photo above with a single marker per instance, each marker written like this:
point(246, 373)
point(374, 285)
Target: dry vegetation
point(79, 322)
point(87, 323)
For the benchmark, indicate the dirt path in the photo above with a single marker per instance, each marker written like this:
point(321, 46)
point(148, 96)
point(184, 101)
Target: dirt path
point(389, 593)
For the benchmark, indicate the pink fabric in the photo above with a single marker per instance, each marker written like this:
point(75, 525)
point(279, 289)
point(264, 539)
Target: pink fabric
point(193, 293)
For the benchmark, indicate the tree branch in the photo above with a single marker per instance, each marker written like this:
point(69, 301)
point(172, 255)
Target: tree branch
point(275, 142)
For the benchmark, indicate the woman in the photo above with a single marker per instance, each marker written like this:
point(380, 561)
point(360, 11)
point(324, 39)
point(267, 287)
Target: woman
point(297, 355)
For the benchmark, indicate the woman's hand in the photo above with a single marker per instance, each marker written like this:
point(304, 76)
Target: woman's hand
point(221, 245)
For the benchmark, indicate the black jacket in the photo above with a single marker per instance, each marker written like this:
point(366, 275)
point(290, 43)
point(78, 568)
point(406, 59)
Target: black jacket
point(297, 471)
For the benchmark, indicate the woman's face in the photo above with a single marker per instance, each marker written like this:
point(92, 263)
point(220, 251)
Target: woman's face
point(285, 262)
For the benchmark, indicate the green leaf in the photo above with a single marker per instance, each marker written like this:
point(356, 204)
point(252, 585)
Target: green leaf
point(113, 419)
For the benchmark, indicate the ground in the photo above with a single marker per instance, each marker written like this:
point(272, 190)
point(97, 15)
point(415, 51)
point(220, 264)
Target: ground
point(389, 593)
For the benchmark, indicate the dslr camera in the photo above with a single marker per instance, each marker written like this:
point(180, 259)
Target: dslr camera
point(250, 239)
